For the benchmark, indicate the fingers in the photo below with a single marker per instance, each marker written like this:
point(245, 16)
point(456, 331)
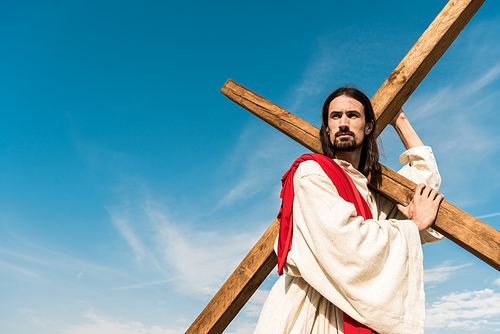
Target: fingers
point(396, 117)
point(436, 196)
point(419, 189)
point(432, 193)
point(427, 192)
point(424, 207)
point(439, 198)
point(404, 210)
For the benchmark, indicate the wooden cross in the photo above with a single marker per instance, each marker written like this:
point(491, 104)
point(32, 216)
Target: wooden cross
point(457, 225)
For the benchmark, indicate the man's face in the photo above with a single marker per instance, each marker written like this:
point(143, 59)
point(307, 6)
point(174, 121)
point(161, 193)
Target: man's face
point(346, 124)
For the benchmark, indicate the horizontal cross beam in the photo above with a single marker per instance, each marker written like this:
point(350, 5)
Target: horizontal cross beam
point(460, 227)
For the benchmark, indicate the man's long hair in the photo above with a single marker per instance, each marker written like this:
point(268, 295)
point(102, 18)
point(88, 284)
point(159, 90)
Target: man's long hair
point(369, 150)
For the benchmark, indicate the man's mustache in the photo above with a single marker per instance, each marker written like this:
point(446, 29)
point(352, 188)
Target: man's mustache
point(341, 133)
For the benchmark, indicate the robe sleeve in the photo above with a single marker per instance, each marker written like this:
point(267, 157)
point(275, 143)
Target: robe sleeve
point(420, 167)
point(371, 269)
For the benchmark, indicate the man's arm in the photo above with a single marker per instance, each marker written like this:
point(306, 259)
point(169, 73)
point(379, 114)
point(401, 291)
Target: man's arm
point(423, 170)
point(405, 131)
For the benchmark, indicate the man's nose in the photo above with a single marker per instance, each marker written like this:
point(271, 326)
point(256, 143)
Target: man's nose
point(344, 121)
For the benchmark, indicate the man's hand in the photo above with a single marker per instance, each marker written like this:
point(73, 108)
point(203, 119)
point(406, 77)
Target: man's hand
point(400, 115)
point(424, 207)
point(405, 131)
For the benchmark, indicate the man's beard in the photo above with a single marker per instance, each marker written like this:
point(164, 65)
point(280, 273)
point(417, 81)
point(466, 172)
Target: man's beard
point(346, 145)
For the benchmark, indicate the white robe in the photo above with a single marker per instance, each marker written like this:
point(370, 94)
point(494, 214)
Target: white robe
point(372, 269)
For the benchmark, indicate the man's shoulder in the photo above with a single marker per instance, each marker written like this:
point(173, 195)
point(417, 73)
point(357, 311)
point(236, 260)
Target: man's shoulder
point(308, 168)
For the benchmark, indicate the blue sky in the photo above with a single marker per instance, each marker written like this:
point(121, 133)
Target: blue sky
point(131, 187)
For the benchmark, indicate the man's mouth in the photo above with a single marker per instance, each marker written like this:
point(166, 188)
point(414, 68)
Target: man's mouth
point(344, 134)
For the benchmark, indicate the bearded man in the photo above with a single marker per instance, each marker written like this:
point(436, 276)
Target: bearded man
point(353, 260)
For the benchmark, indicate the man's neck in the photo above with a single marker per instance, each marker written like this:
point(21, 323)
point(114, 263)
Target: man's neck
point(351, 157)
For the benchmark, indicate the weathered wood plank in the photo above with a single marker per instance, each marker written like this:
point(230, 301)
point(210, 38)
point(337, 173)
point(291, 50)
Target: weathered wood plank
point(421, 58)
point(239, 287)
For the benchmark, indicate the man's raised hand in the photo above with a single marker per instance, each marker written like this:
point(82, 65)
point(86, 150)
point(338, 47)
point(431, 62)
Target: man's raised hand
point(424, 206)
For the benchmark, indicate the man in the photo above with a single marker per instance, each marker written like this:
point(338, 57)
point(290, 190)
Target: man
point(353, 262)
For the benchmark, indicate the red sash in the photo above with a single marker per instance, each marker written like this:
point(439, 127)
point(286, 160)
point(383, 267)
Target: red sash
point(346, 189)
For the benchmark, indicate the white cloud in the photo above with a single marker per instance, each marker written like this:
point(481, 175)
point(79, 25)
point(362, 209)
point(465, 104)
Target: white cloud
point(254, 306)
point(242, 328)
point(36, 262)
point(456, 120)
point(466, 310)
point(128, 224)
point(497, 281)
point(441, 273)
point(260, 160)
point(314, 78)
point(469, 325)
point(202, 259)
point(489, 215)
point(18, 270)
point(104, 325)
point(492, 75)
point(196, 261)
point(143, 285)
point(35, 317)
point(125, 229)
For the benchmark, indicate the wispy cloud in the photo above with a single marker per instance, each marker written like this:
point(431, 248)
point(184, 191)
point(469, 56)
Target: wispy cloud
point(487, 78)
point(129, 225)
point(99, 324)
point(34, 261)
point(489, 215)
point(314, 78)
point(466, 310)
point(143, 285)
point(35, 317)
point(18, 270)
point(441, 273)
point(242, 328)
point(470, 325)
point(196, 261)
point(454, 98)
point(497, 281)
point(258, 163)
point(125, 229)
point(203, 259)
point(466, 132)
point(255, 304)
